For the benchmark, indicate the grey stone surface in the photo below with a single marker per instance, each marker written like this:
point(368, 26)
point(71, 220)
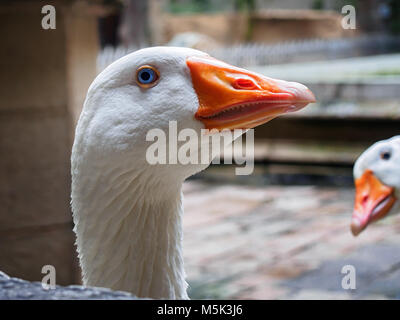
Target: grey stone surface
point(17, 289)
point(377, 268)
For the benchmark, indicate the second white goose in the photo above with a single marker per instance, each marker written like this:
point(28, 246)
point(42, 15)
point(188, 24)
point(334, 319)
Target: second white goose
point(377, 180)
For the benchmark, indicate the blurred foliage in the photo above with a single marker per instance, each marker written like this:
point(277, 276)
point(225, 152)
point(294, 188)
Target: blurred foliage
point(245, 5)
point(194, 6)
point(317, 5)
point(207, 6)
point(113, 2)
point(209, 290)
point(394, 72)
point(394, 21)
point(337, 5)
point(198, 6)
point(341, 3)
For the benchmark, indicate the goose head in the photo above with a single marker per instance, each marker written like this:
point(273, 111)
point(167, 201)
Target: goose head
point(154, 86)
point(128, 211)
point(377, 182)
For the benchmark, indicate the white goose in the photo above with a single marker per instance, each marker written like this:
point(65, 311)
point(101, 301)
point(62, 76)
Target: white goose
point(377, 180)
point(128, 213)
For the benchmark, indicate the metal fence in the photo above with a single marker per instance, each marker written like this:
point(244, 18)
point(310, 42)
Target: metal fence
point(285, 52)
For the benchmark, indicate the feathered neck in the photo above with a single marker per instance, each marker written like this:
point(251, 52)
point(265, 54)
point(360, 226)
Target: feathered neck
point(129, 231)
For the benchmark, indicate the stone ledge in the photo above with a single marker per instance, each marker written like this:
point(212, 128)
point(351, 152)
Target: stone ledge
point(17, 289)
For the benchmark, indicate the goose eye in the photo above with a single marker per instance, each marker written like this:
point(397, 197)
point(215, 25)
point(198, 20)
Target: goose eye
point(146, 76)
point(385, 155)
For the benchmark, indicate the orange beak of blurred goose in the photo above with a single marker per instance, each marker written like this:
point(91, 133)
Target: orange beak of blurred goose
point(234, 98)
point(373, 201)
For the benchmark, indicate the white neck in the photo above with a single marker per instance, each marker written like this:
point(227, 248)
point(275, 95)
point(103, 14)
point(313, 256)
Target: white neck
point(129, 233)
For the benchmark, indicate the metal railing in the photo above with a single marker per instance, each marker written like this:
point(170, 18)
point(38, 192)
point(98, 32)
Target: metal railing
point(286, 52)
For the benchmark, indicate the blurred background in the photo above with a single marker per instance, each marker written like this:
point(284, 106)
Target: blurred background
point(280, 233)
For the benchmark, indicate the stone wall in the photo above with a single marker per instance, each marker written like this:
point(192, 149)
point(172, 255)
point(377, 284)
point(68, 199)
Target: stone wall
point(43, 80)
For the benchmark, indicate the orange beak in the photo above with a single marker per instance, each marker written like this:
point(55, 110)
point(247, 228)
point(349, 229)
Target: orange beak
point(234, 98)
point(373, 201)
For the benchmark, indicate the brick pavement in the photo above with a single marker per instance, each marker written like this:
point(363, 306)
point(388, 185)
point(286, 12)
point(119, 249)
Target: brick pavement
point(284, 242)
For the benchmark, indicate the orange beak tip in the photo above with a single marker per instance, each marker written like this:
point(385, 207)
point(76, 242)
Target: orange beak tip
point(301, 93)
point(356, 227)
point(311, 97)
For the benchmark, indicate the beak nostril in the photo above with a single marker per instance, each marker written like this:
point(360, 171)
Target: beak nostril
point(244, 84)
point(364, 199)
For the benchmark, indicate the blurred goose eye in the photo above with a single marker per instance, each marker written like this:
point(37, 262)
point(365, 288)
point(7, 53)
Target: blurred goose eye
point(385, 155)
point(147, 76)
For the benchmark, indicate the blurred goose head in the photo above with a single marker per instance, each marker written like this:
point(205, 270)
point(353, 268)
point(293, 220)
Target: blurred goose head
point(377, 182)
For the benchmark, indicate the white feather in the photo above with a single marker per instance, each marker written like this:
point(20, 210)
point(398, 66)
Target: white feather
point(127, 213)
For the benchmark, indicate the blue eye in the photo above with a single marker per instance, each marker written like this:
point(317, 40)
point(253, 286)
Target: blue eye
point(146, 75)
point(386, 155)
